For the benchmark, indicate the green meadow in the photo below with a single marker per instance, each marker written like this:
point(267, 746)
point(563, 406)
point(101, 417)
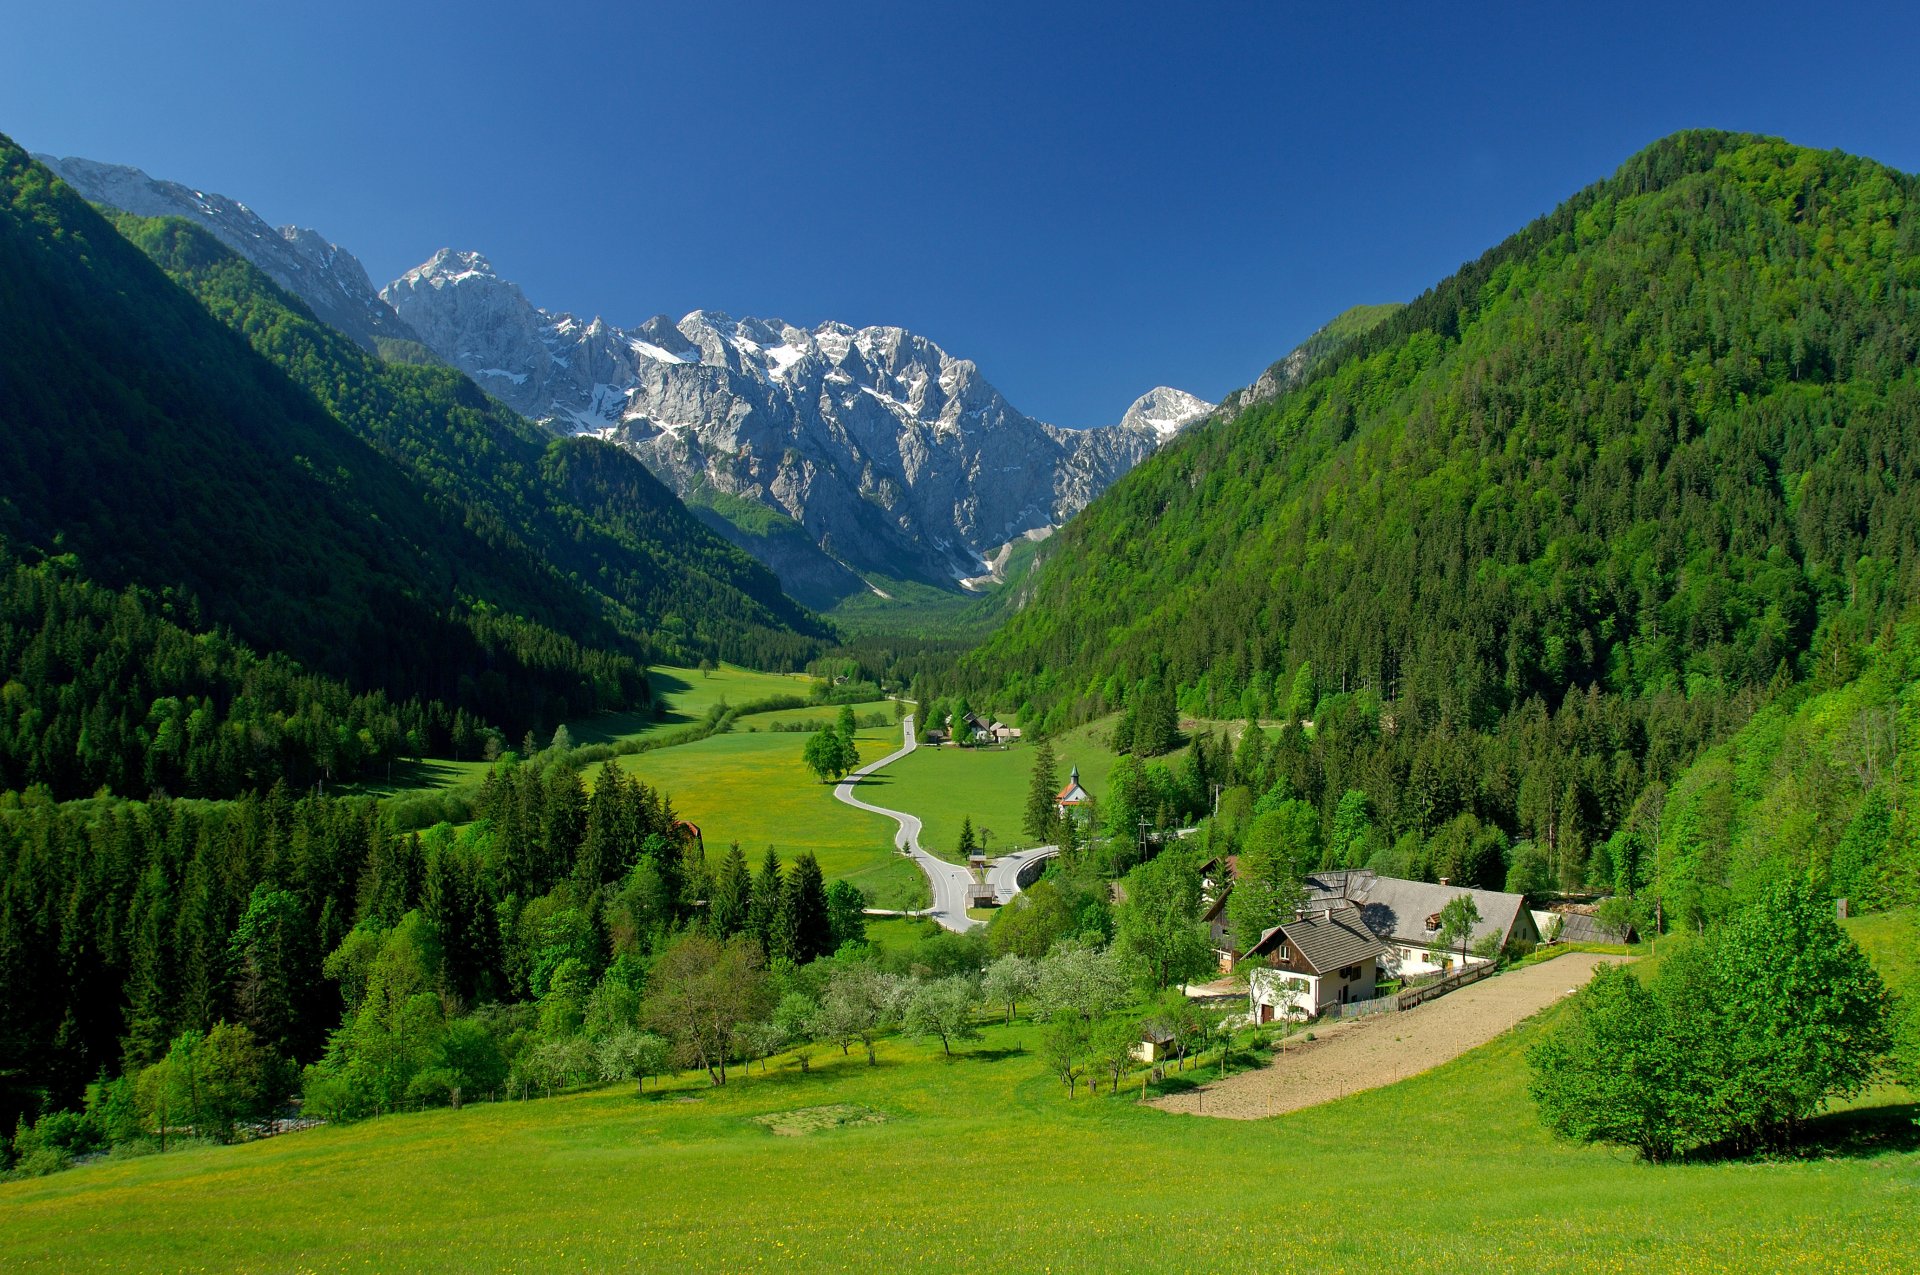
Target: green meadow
point(752, 787)
point(988, 785)
point(687, 694)
point(978, 1163)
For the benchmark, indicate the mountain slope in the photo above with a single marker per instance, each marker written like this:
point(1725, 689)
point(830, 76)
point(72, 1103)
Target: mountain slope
point(898, 460)
point(156, 448)
point(577, 507)
point(1659, 444)
point(1325, 343)
point(327, 277)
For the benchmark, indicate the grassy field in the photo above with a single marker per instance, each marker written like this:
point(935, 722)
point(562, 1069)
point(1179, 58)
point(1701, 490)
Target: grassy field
point(979, 1163)
point(688, 694)
point(815, 716)
point(752, 788)
point(945, 785)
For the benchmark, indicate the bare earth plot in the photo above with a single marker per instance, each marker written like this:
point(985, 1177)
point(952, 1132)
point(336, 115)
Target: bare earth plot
point(1366, 1053)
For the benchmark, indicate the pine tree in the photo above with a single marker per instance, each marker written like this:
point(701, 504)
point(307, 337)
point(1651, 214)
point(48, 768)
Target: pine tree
point(763, 909)
point(806, 924)
point(1042, 790)
point(601, 851)
point(967, 843)
point(732, 900)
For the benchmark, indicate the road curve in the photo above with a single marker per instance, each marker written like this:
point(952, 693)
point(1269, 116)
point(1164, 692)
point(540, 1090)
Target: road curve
point(948, 880)
point(1003, 874)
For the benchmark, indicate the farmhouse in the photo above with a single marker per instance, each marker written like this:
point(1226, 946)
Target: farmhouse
point(1072, 799)
point(1326, 957)
point(1406, 914)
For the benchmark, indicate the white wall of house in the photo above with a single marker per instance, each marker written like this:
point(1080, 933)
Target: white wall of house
point(1322, 991)
point(1411, 960)
point(1286, 994)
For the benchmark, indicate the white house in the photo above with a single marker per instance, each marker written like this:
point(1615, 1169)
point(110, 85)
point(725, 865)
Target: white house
point(1324, 958)
point(1406, 914)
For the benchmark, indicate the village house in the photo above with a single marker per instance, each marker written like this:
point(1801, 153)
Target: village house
point(1404, 914)
point(1324, 958)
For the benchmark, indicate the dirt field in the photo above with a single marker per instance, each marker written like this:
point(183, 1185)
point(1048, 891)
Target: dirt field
point(1365, 1053)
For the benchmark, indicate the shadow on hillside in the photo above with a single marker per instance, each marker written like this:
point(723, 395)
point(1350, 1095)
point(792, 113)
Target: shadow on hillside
point(1859, 1134)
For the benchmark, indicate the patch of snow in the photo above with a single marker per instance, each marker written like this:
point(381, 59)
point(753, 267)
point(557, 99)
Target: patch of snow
point(518, 378)
point(782, 357)
point(649, 350)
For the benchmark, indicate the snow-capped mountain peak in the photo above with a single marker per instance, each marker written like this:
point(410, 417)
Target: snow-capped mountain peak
point(899, 459)
point(1166, 411)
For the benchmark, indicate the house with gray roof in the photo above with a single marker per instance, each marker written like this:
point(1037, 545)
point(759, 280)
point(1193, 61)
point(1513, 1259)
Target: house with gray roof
point(1326, 956)
point(1406, 914)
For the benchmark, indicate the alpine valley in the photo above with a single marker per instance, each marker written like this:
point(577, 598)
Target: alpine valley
point(483, 789)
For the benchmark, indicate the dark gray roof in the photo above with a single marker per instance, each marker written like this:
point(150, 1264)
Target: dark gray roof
point(1398, 910)
point(1327, 938)
point(1338, 883)
point(1581, 927)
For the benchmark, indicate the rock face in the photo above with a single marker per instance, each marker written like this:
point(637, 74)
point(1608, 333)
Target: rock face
point(328, 278)
point(897, 459)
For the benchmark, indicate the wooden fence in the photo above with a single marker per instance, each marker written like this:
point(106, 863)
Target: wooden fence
point(1428, 991)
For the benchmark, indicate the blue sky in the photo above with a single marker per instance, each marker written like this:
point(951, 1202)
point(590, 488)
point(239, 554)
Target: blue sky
point(1087, 200)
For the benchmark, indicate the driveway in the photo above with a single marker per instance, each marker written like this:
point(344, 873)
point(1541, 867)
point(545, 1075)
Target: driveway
point(1365, 1053)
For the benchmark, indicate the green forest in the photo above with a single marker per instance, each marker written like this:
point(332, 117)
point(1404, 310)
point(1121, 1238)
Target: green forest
point(1549, 560)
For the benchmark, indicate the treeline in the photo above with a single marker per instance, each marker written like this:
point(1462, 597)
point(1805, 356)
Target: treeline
point(101, 691)
point(124, 924)
point(1524, 551)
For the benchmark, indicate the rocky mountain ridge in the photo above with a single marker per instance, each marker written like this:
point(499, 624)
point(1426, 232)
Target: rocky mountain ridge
point(328, 278)
point(898, 460)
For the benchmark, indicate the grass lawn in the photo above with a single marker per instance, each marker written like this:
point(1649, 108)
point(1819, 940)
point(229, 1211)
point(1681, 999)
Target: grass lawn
point(1892, 940)
point(898, 933)
point(422, 776)
point(752, 788)
point(815, 716)
point(688, 694)
point(945, 785)
point(978, 1163)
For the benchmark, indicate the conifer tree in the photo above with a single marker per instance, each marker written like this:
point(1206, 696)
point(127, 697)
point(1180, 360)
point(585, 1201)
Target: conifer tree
point(763, 908)
point(806, 924)
point(730, 906)
point(1042, 789)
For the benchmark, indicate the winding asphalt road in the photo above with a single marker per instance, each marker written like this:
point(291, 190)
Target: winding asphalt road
point(1003, 874)
point(949, 880)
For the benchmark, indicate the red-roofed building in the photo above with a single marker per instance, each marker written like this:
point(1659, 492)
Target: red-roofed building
point(1073, 797)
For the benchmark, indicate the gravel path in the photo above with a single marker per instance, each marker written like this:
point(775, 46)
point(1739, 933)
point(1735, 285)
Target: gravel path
point(1365, 1053)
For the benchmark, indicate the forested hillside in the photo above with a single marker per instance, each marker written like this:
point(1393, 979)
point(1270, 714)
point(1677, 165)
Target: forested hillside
point(578, 505)
point(153, 446)
point(1528, 547)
